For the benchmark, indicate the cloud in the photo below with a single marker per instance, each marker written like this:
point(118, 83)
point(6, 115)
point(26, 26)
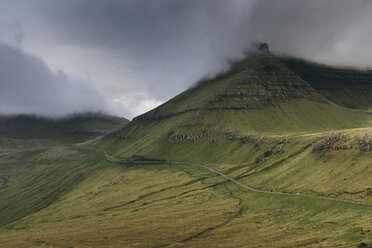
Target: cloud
point(27, 85)
point(166, 33)
point(332, 31)
point(166, 44)
point(140, 53)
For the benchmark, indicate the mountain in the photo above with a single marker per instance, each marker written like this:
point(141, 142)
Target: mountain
point(348, 87)
point(257, 96)
point(254, 157)
point(263, 95)
point(70, 129)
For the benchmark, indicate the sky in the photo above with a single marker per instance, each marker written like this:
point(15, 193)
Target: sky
point(125, 57)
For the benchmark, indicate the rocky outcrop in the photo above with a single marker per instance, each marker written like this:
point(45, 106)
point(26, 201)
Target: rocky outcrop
point(256, 140)
point(331, 142)
point(365, 143)
point(342, 141)
point(263, 82)
point(185, 137)
point(217, 138)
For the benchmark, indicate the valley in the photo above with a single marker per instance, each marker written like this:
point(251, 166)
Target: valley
point(126, 206)
point(255, 157)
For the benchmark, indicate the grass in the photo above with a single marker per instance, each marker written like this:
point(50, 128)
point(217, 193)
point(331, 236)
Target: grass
point(70, 196)
point(348, 87)
point(183, 206)
point(39, 177)
point(281, 163)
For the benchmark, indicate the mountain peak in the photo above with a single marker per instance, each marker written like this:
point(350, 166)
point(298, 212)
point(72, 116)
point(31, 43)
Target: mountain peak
point(262, 46)
point(257, 81)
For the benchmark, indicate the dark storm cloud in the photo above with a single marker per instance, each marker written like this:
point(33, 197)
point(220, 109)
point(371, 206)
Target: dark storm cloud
point(214, 29)
point(170, 43)
point(173, 43)
point(143, 52)
point(332, 31)
point(143, 26)
point(28, 86)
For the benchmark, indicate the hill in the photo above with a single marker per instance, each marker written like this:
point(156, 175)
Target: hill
point(70, 196)
point(347, 87)
point(257, 96)
point(70, 129)
point(257, 122)
point(289, 152)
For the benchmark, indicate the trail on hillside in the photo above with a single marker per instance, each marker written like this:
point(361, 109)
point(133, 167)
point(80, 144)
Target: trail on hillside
point(241, 184)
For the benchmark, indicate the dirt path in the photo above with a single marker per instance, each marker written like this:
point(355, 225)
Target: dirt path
point(246, 186)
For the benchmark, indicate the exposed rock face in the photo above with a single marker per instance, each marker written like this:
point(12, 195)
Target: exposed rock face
point(331, 142)
point(263, 47)
point(262, 81)
point(185, 137)
point(256, 140)
point(191, 137)
point(365, 143)
point(342, 141)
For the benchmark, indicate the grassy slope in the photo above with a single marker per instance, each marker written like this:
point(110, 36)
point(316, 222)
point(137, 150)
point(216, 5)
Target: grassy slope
point(284, 163)
point(293, 117)
point(275, 145)
point(63, 190)
point(347, 87)
point(72, 197)
point(38, 177)
point(182, 206)
point(152, 137)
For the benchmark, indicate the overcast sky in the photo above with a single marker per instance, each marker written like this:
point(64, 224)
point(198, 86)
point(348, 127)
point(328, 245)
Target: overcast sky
point(125, 57)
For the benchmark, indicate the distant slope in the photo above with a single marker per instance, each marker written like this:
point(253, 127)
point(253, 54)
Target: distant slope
point(71, 129)
point(350, 88)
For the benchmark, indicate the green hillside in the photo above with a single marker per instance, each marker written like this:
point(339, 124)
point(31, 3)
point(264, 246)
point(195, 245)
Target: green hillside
point(255, 157)
point(267, 137)
point(259, 125)
point(257, 96)
point(70, 129)
point(347, 87)
point(72, 197)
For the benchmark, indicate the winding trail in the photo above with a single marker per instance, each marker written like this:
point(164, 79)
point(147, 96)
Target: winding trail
point(243, 185)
